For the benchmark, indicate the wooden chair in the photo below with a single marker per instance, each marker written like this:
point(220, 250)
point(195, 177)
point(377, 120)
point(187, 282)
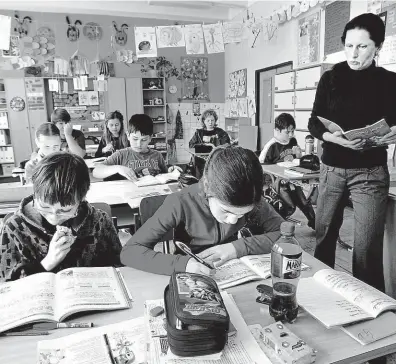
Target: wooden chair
point(148, 206)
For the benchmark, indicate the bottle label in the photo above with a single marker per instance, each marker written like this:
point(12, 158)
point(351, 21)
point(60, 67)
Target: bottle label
point(291, 266)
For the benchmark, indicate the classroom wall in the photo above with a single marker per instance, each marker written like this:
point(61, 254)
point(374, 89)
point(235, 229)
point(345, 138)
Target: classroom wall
point(282, 48)
point(65, 48)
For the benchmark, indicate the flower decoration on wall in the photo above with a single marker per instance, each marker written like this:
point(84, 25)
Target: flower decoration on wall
point(162, 66)
point(194, 73)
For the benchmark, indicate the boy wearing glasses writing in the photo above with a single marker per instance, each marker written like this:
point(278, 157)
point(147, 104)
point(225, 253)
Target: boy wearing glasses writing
point(56, 228)
point(138, 160)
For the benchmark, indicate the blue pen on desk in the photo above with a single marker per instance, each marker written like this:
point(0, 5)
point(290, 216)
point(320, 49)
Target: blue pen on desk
point(185, 249)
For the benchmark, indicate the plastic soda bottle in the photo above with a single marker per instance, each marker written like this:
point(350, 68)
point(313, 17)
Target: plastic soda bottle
point(286, 258)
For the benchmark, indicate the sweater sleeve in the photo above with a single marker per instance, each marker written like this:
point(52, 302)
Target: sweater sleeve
point(196, 139)
point(264, 223)
point(224, 138)
point(315, 126)
point(139, 250)
point(110, 255)
point(390, 116)
point(99, 152)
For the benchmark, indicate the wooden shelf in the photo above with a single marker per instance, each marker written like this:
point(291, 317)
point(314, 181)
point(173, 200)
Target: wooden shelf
point(153, 89)
point(154, 105)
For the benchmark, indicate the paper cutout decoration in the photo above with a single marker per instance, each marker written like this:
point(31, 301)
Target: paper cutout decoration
point(234, 32)
point(13, 47)
point(213, 38)
point(83, 98)
point(121, 35)
point(255, 28)
point(194, 38)
point(170, 36)
point(73, 33)
point(5, 32)
point(237, 84)
point(17, 103)
point(146, 42)
point(41, 47)
point(23, 25)
point(93, 31)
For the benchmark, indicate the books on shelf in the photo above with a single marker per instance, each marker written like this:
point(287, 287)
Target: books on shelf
point(49, 297)
point(245, 269)
point(337, 298)
point(159, 179)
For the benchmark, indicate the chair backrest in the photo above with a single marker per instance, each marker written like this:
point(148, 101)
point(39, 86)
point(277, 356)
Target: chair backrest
point(107, 209)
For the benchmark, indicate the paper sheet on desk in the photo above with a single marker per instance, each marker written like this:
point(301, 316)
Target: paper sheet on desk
point(287, 164)
point(148, 191)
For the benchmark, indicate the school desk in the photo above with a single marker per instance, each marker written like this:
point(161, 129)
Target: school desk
point(334, 346)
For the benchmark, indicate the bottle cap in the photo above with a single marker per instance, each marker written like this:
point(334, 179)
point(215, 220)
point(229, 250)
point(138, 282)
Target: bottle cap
point(287, 228)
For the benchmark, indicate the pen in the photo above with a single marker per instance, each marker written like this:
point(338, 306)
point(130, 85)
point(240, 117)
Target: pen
point(184, 248)
point(25, 333)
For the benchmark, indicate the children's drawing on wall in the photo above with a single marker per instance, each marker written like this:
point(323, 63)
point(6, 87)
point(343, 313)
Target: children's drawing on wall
point(194, 71)
point(146, 42)
point(308, 39)
point(93, 31)
point(255, 31)
point(237, 84)
point(234, 32)
point(170, 36)
point(14, 50)
point(22, 27)
point(73, 33)
point(213, 38)
point(121, 34)
point(193, 36)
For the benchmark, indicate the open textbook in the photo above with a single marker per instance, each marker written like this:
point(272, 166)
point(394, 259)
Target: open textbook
point(245, 269)
point(337, 298)
point(371, 132)
point(159, 179)
point(53, 297)
point(124, 342)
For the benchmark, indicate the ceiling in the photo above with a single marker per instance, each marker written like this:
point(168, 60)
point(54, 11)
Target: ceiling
point(188, 10)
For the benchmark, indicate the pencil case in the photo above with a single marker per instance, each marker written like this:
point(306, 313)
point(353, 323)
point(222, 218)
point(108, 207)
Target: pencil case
point(197, 320)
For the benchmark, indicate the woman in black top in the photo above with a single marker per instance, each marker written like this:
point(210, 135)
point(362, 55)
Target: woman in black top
point(354, 94)
point(114, 136)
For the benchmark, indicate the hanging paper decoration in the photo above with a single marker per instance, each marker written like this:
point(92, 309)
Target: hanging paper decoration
point(73, 33)
point(41, 47)
point(13, 47)
point(170, 36)
point(194, 72)
point(93, 31)
point(193, 36)
point(179, 126)
point(213, 38)
point(304, 6)
point(146, 42)
point(23, 25)
point(234, 32)
point(121, 36)
point(296, 10)
point(255, 28)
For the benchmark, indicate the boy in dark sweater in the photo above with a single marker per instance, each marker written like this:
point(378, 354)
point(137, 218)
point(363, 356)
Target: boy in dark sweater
point(283, 147)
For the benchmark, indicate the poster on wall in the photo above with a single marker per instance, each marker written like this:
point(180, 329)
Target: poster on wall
point(146, 42)
point(337, 14)
point(5, 31)
point(35, 93)
point(194, 72)
point(213, 38)
point(194, 38)
point(308, 39)
point(170, 36)
point(234, 32)
point(237, 84)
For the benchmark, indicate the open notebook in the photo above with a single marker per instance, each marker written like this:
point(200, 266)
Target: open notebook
point(159, 179)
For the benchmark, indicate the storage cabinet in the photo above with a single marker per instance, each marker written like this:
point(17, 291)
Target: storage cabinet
point(284, 101)
point(241, 132)
point(284, 81)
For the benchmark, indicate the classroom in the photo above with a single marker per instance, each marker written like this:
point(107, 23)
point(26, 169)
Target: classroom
point(198, 181)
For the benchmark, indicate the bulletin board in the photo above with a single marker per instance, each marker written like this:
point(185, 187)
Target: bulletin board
point(308, 39)
point(337, 14)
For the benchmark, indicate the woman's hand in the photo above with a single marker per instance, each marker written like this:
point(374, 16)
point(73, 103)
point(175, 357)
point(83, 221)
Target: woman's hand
point(195, 267)
point(127, 173)
point(108, 148)
point(389, 138)
point(219, 254)
point(338, 138)
point(172, 168)
point(59, 247)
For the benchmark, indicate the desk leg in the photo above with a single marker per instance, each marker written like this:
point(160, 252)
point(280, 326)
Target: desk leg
point(390, 249)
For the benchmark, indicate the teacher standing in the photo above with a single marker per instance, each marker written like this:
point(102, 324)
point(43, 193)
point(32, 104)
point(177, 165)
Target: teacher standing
point(354, 94)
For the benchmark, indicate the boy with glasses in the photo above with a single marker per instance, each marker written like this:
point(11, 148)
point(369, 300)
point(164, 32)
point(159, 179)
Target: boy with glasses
point(56, 228)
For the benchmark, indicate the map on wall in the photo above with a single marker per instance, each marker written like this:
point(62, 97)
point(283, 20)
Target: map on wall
point(337, 15)
point(308, 39)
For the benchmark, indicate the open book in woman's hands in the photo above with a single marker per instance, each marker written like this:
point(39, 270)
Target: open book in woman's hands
point(369, 132)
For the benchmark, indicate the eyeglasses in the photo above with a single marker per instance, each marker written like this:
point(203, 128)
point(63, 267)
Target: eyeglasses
point(47, 210)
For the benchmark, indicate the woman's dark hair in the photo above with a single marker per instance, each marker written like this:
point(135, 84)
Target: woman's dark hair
point(372, 23)
point(284, 120)
point(207, 113)
point(60, 115)
point(122, 135)
point(234, 176)
point(47, 129)
point(61, 177)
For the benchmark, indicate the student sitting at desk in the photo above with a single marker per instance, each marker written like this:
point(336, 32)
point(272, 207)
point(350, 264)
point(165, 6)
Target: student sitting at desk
point(283, 147)
point(56, 228)
point(114, 137)
point(209, 214)
point(138, 160)
point(48, 140)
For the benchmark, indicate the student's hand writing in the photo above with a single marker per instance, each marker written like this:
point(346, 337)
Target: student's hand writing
point(218, 255)
point(59, 246)
point(356, 144)
point(108, 148)
point(127, 173)
point(389, 138)
point(195, 267)
point(172, 168)
point(68, 129)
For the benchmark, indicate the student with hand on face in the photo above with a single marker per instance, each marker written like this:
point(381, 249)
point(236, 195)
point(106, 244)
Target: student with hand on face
point(138, 160)
point(208, 215)
point(56, 228)
point(73, 141)
point(48, 141)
